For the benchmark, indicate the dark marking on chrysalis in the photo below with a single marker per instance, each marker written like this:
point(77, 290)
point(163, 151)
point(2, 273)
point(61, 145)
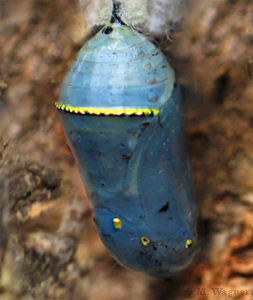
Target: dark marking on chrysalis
point(126, 156)
point(108, 30)
point(105, 234)
point(154, 247)
point(156, 53)
point(145, 123)
point(164, 208)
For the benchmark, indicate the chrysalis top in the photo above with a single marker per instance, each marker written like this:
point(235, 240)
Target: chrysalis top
point(118, 69)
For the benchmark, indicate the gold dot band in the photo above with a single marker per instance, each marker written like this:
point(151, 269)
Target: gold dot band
point(107, 111)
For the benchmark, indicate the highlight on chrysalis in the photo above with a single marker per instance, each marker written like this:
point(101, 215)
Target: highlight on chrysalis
point(122, 114)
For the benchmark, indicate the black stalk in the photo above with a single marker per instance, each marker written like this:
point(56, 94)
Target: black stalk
point(116, 13)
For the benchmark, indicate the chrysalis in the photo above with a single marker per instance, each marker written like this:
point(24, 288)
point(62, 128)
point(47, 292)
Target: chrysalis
point(121, 110)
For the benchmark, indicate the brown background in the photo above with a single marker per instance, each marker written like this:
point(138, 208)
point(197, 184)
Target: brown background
point(48, 244)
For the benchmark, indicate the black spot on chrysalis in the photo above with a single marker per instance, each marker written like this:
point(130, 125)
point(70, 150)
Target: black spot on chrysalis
point(164, 208)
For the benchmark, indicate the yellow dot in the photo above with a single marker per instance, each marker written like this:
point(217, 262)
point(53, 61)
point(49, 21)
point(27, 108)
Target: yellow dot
point(145, 241)
point(117, 223)
point(188, 243)
point(151, 81)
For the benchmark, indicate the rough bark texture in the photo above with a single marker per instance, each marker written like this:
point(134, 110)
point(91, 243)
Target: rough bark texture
point(49, 248)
